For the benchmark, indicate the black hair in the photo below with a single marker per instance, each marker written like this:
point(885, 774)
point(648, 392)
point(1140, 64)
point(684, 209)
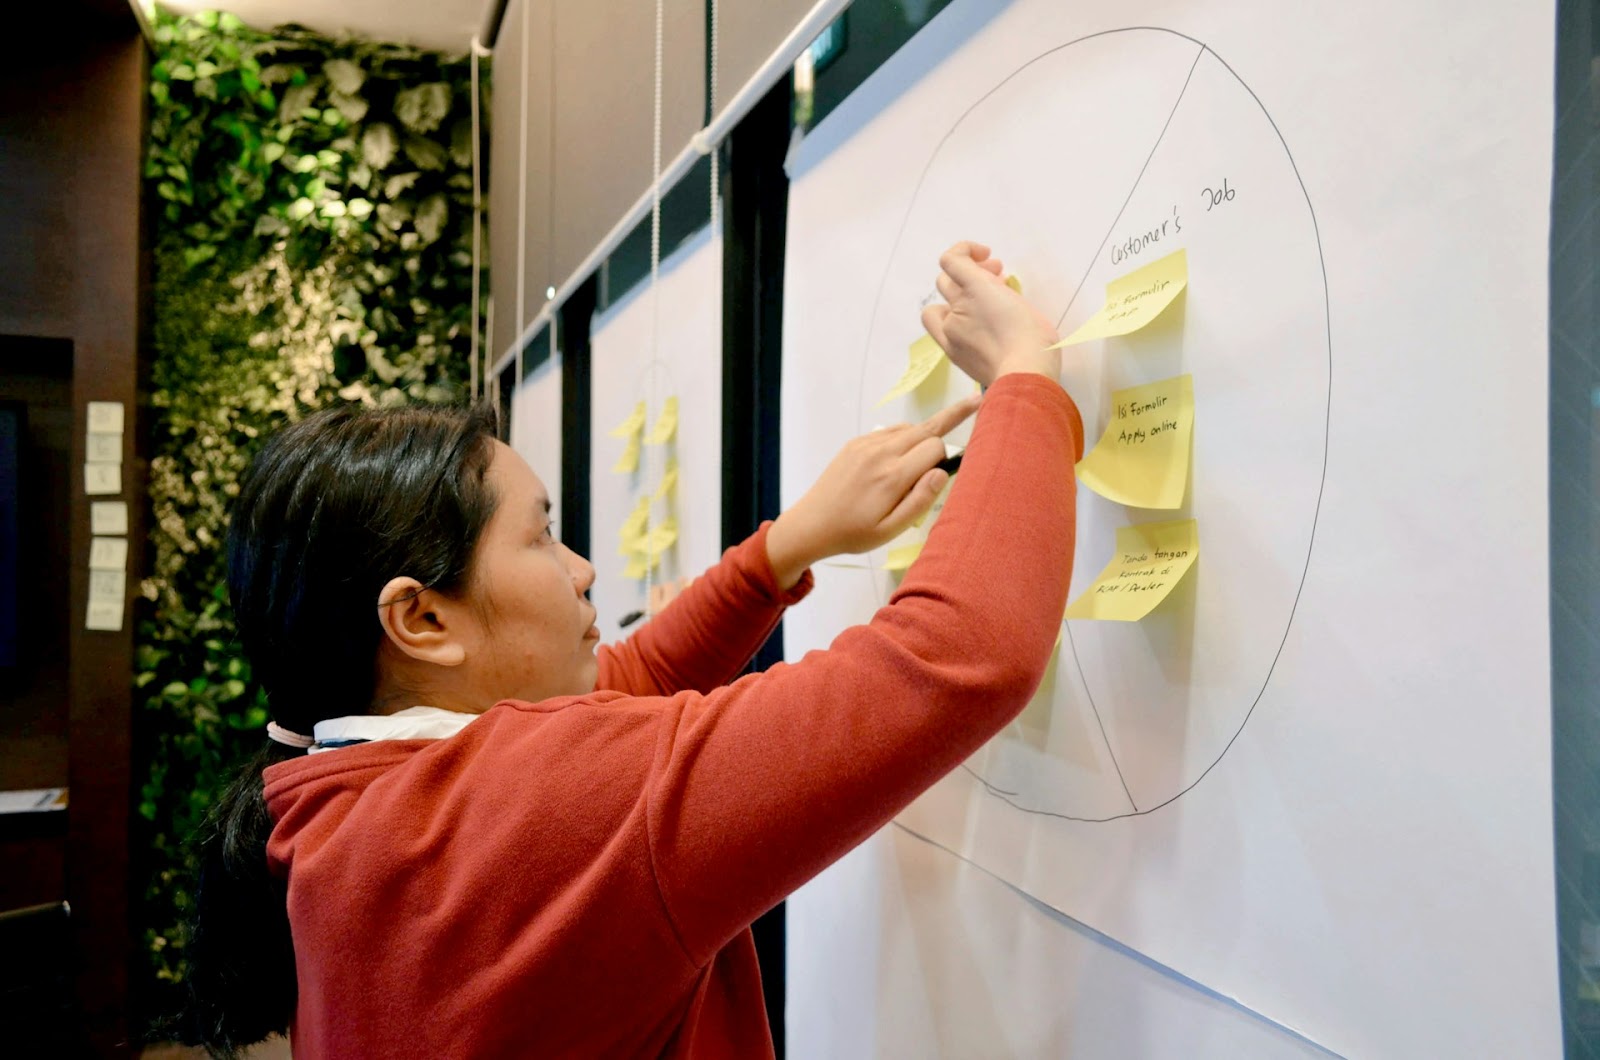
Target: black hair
point(331, 509)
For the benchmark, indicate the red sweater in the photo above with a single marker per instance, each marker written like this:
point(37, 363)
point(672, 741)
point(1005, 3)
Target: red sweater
point(577, 877)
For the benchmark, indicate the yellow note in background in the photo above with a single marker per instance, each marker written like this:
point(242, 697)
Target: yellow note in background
point(661, 537)
point(1150, 559)
point(1142, 459)
point(1134, 300)
point(666, 424)
point(925, 357)
point(630, 538)
point(628, 462)
point(902, 556)
point(639, 566)
point(669, 481)
point(632, 425)
point(1014, 283)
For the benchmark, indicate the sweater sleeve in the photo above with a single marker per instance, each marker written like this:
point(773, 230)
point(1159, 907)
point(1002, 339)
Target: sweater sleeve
point(709, 633)
point(760, 785)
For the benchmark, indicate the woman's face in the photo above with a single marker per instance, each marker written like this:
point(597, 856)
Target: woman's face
point(530, 633)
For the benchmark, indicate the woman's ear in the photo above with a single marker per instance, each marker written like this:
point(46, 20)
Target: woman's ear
point(417, 620)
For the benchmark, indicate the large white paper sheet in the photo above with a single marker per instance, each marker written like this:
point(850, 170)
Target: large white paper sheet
point(1317, 778)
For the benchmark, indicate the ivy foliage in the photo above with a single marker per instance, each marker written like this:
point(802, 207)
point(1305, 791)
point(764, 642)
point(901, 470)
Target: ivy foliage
point(313, 246)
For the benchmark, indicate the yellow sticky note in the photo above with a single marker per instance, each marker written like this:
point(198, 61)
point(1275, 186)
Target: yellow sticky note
point(669, 480)
point(1134, 300)
point(630, 538)
point(640, 565)
point(628, 462)
point(632, 425)
point(1014, 283)
point(1150, 559)
point(1142, 459)
point(901, 557)
point(661, 537)
point(925, 357)
point(666, 424)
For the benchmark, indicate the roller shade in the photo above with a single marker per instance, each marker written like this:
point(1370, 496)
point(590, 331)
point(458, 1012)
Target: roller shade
point(505, 187)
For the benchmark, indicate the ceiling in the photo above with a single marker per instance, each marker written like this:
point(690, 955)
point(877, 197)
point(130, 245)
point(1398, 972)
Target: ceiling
point(438, 25)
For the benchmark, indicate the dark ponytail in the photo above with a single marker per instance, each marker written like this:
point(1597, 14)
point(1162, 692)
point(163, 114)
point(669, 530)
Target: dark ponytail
point(332, 508)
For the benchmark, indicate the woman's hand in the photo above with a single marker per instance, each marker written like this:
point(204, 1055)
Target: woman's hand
point(988, 329)
point(870, 492)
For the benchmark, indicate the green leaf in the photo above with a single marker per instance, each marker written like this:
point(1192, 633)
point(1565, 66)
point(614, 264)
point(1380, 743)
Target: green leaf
point(300, 209)
point(208, 19)
point(422, 108)
point(182, 72)
point(331, 116)
point(399, 184)
point(424, 154)
point(272, 151)
point(344, 75)
point(229, 22)
point(432, 214)
point(297, 99)
point(360, 209)
point(352, 108)
point(378, 145)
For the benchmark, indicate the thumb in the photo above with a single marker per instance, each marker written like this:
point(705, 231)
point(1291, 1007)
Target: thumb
point(918, 500)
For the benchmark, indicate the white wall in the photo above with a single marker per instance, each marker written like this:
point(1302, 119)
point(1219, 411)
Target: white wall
point(536, 427)
point(647, 350)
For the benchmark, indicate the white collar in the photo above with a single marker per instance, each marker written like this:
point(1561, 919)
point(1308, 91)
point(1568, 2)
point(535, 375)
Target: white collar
point(413, 723)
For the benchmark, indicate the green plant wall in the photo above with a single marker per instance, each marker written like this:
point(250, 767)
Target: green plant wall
point(312, 245)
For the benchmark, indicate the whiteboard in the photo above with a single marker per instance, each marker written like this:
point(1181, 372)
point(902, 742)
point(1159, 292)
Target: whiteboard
point(648, 350)
point(902, 950)
point(536, 427)
point(1317, 780)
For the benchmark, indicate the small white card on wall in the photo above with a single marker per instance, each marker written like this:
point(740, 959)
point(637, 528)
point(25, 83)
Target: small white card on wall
point(108, 517)
point(105, 448)
point(108, 586)
point(104, 615)
point(100, 479)
point(105, 417)
point(108, 553)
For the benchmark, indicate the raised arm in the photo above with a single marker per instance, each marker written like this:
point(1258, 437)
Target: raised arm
point(708, 634)
point(760, 785)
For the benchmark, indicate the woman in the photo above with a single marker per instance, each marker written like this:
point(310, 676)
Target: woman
point(493, 841)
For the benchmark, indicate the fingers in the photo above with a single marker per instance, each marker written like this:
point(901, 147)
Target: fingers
point(916, 501)
point(948, 419)
point(933, 318)
point(961, 263)
point(948, 288)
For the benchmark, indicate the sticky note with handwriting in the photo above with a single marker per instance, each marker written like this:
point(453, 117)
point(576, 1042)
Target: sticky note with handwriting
point(1150, 560)
point(1134, 300)
point(1142, 459)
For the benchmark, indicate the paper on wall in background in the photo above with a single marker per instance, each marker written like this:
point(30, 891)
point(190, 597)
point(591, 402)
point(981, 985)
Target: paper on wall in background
point(1134, 300)
point(1150, 559)
point(108, 586)
point(105, 417)
point(104, 616)
point(1142, 459)
point(104, 449)
point(661, 537)
point(630, 426)
point(628, 462)
point(108, 553)
point(666, 424)
point(33, 800)
point(639, 565)
point(924, 356)
point(108, 517)
point(100, 479)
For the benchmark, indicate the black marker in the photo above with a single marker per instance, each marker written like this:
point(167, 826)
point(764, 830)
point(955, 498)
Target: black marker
point(951, 464)
point(630, 618)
